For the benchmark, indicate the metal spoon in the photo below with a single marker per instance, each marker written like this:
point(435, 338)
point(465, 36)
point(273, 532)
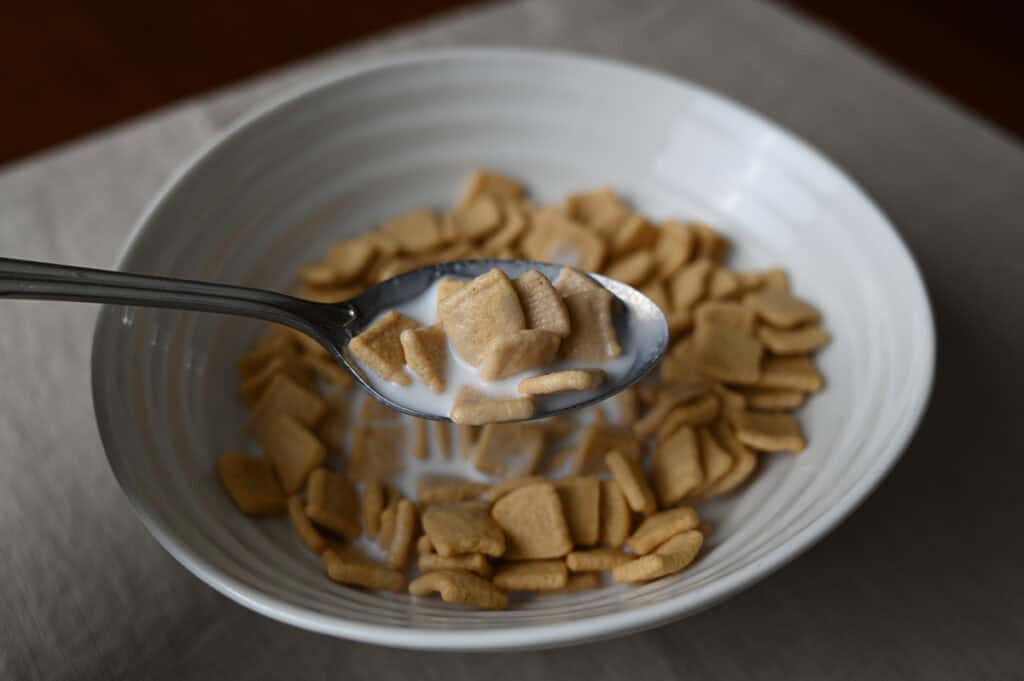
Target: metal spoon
point(639, 322)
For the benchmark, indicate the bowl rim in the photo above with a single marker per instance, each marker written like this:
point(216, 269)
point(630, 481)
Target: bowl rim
point(536, 636)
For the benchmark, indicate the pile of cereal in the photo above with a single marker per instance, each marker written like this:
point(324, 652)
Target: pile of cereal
point(545, 506)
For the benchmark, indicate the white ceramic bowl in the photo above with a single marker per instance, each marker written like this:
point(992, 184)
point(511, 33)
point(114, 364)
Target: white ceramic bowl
point(337, 157)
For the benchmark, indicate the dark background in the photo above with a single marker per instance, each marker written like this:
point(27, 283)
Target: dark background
point(70, 67)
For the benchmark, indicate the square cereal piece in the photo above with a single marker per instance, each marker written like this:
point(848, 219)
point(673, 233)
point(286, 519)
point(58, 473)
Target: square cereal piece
point(472, 408)
point(403, 537)
point(506, 486)
point(744, 461)
point(629, 473)
point(676, 467)
point(673, 249)
point(790, 373)
point(553, 237)
point(636, 234)
point(632, 268)
point(781, 309)
point(542, 304)
point(703, 410)
point(293, 450)
point(583, 581)
point(798, 341)
point(347, 565)
point(478, 219)
point(377, 453)
point(509, 450)
point(517, 352)
point(332, 502)
point(616, 516)
point(333, 427)
point(533, 522)
point(571, 281)
point(493, 184)
point(443, 437)
point(660, 527)
point(600, 209)
point(447, 286)
point(255, 385)
point(710, 244)
point(415, 232)
point(445, 489)
point(350, 259)
point(668, 397)
point(592, 337)
point(562, 381)
point(461, 588)
point(250, 482)
point(373, 505)
point(484, 309)
point(728, 354)
point(328, 370)
point(581, 501)
point(669, 558)
point(380, 347)
point(724, 285)
point(304, 527)
point(773, 399)
point(476, 563)
point(515, 226)
point(374, 412)
point(597, 441)
point(765, 280)
point(531, 575)
point(285, 396)
point(770, 432)
point(715, 460)
point(690, 284)
point(278, 344)
point(424, 546)
point(721, 313)
point(596, 560)
point(463, 527)
point(426, 353)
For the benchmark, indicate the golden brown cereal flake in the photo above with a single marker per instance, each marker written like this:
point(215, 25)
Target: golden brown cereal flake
point(333, 427)
point(689, 286)
point(304, 528)
point(373, 504)
point(351, 259)
point(671, 557)
point(597, 441)
point(285, 396)
point(348, 565)
point(599, 208)
point(484, 309)
point(636, 234)
point(447, 286)
point(332, 502)
point(567, 243)
point(668, 397)
point(490, 183)
point(772, 399)
point(542, 304)
point(798, 341)
point(710, 244)
point(571, 281)
point(517, 352)
point(515, 226)
point(377, 452)
point(415, 232)
point(724, 285)
point(531, 575)
point(632, 268)
point(770, 432)
point(582, 581)
point(250, 482)
point(595, 560)
point(581, 502)
point(655, 290)
point(388, 518)
point(770, 280)
point(403, 536)
point(508, 450)
point(506, 486)
point(374, 412)
point(562, 381)
point(476, 563)
point(478, 219)
point(721, 313)
point(292, 449)
point(781, 309)
point(697, 413)
point(790, 373)
point(533, 522)
point(673, 249)
point(744, 462)
point(716, 461)
point(461, 588)
point(380, 347)
point(660, 527)
point(467, 438)
point(463, 527)
point(472, 408)
point(444, 489)
point(629, 473)
point(426, 353)
point(728, 354)
point(424, 545)
point(592, 337)
point(254, 387)
point(676, 467)
point(328, 370)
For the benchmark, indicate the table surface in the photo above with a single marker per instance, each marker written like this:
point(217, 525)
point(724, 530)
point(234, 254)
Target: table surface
point(923, 581)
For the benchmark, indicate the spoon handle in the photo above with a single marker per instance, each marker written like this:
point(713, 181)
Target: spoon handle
point(49, 281)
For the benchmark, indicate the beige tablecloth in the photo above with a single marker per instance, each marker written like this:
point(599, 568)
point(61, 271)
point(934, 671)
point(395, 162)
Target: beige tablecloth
point(924, 581)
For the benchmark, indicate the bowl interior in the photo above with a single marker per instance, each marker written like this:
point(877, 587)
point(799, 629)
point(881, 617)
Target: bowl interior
point(332, 161)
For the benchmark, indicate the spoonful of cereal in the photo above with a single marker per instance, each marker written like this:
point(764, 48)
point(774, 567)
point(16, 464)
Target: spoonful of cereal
point(473, 341)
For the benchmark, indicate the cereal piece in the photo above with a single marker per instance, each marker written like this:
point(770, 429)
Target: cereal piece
point(444, 489)
point(531, 575)
point(308, 534)
point(333, 427)
point(542, 304)
point(790, 373)
point(351, 259)
point(250, 482)
point(616, 516)
point(562, 381)
point(328, 370)
point(743, 459)
point(635, 235)
point(633, 268)
point(473, 409)
point(629, 406)
point(376, 453)
point(630, 475)
point(732, 315)
point(404, 535)
point(581, 498)
point(463, 527)
point(285, 396)
point(380, 347)
point(426, 353)
point(279, 344)
point(443, 437)
point(347, 565)
point(594, 560)
point(679, 322)
point(673, 249)
point(510, 450)
point(772, 399)
point(704, 410)
point(770, 280)
point(771, 432)
point(655, 290)
point(690, 285)
point(421, 441)
point(724, 285)
point(516, 224)
point(728, 354)
point(798, 341)
point(467, 438)
point(669, 397)
point(373, 504)
point(597, 441)
point(680, 365)
point(729, 400)
point(715, 460)
point(424, 545)
point(676, 466)
point(506, 486)
point(582, 581)
point(517, 352)
point(256, 385)
point(710, 244)
point(567, 243)
point(599, 208)
point(781, 309)
point(478, 219)
point(476, 563)
point(533, 522)
point(316, 274)
point(447, 286)
point(490, 183)
point(460, 587)
point(292, 449)
point(388, 517)
point(415, 232)
point(571, 281)
point(373, 412)
point(484, 309)
point(558, 427)
point(592, 337)
point(672, 556)
point(332, 502)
